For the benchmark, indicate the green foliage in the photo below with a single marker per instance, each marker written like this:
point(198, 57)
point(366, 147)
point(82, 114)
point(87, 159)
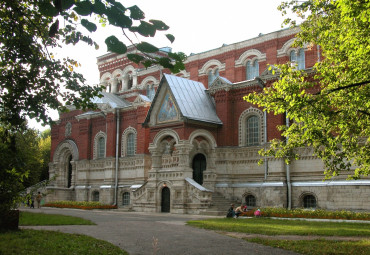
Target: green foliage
point(42, 219)
point(313, 214)
point(328, 106)
point(80, 205)
point(39, 242)
point(311, 246)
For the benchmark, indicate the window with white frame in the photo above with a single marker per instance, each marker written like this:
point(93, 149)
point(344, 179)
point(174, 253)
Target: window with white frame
point(126, 198)
point(252, 131)
point(252, 69)
point(298, 59)
point(101, 147)
point(129, 142)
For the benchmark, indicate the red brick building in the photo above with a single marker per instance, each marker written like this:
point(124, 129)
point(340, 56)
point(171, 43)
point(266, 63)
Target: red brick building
point(180, 143)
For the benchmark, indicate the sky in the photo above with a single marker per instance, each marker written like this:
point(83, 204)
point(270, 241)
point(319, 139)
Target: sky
point(198, 26)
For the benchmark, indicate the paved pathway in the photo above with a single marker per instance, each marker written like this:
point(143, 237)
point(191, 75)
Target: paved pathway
point(143, 233)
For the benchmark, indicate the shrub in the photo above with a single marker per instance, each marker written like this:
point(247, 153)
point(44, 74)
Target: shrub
point(305, 213)
point(80, 205)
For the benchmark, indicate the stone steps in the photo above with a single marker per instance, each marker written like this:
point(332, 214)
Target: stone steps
point(219, 205)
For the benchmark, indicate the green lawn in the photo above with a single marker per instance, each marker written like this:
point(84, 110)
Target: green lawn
point(43, 219)
point(284, 227)
point(41, 242)
point(316, 246)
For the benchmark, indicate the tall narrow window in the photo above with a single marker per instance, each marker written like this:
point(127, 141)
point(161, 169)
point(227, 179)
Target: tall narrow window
point(101, 147)
point(150, 91)
point(95, 196)
point(252, 131)
point(301, 59)
point(293, 57)
point(126, 198)
point(252, 69)
point(130, 144)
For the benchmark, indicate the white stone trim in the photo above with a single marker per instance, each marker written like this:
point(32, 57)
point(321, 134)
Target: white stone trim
point(332, 183)
point(148, 79)
point(250, 185)
point(203, 133)
point(62, 147)
point(163, 133)
point(247, 113)
point(126, 132)
point(207, 66)
point(242, 61)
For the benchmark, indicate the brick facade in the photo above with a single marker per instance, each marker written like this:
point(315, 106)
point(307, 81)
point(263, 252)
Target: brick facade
point(165, 153)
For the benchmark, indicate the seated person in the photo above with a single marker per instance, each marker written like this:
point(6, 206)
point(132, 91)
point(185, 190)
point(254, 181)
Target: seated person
point(239, 210)
point(231, 212)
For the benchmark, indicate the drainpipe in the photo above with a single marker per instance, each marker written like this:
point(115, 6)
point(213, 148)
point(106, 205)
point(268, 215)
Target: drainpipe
point(117, 163)
point(265, 162)
point(287, 168)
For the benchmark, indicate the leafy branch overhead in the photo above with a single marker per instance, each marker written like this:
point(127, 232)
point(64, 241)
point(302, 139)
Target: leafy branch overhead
point(32, 80)
point(328, 106)
point(130, 18)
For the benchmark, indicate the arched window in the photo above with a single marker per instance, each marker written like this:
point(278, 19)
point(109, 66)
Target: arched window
point(250, 201)
point(251, 127)
point(101, 147)
point(130, 144)
point(309, 201)
point(252, 69)
point(252, 131)
point(126, 198)
point(95, 196)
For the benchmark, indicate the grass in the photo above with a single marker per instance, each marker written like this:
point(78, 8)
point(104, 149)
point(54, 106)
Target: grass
point(41, 242)
point(42, 219)
point(318, 246)
point(284, 227)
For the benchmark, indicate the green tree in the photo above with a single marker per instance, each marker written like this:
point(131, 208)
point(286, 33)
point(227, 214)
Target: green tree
point(32, 80)
point(328, 108)
point(44, 147)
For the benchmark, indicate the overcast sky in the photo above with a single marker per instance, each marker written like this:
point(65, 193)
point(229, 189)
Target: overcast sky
point(198, 25)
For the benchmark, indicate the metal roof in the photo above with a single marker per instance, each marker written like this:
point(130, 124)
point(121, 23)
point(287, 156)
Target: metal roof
point(191, 98)
point(110, 99)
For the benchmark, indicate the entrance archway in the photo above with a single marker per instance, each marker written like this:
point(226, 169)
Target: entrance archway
point(166, 198)
point(199, 165)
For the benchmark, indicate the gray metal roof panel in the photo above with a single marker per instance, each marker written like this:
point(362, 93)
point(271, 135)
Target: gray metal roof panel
point(111, 99)
point(192, 99)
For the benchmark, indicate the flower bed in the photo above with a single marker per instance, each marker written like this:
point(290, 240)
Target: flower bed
point(79, 205)
point(305, 213)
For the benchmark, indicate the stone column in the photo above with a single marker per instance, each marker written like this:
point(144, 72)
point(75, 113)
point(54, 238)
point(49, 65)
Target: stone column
point(156, 158)
point(184, 149)
point(114, 85)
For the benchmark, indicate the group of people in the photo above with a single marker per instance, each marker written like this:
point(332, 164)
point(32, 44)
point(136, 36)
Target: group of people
point(31, 202)
point(235, 213)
